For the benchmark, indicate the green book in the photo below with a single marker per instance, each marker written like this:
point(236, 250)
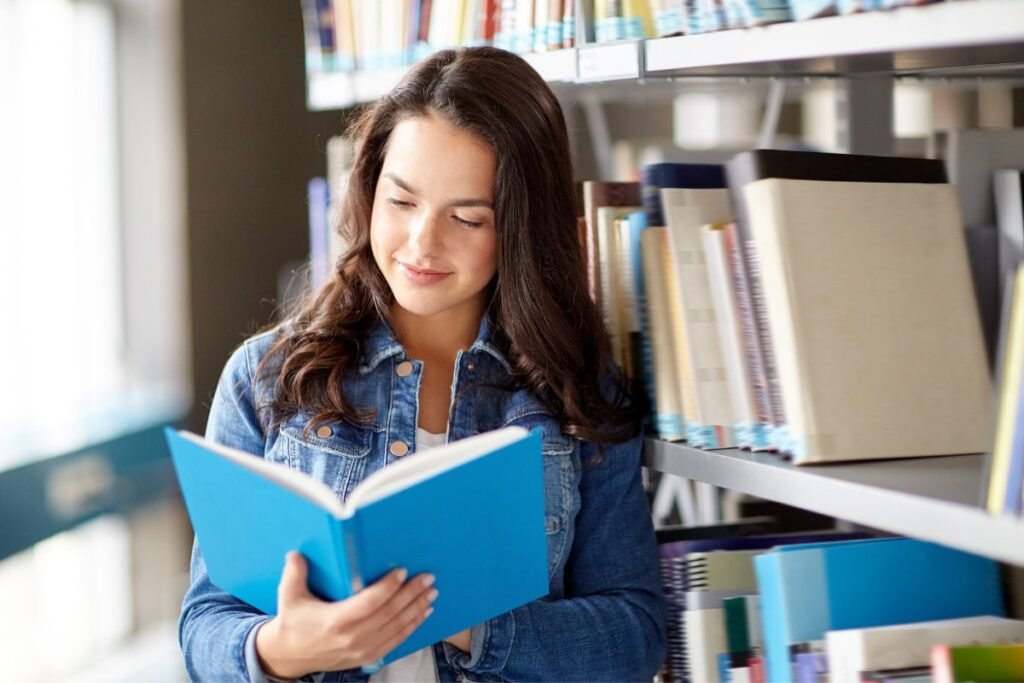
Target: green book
point(978, 663)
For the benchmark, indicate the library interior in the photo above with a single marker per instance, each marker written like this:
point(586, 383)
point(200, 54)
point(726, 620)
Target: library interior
point(790, 298)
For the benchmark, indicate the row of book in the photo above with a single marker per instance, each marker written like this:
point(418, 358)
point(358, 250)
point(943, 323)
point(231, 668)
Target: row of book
point(748, 604)
point(822, 306)
point(342, 35)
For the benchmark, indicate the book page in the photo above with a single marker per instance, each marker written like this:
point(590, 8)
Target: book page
point(312, 490)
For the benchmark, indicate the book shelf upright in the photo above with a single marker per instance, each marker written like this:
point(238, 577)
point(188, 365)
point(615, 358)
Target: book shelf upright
point(935, 499)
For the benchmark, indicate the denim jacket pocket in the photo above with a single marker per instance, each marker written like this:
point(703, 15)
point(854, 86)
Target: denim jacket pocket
point(334, 454)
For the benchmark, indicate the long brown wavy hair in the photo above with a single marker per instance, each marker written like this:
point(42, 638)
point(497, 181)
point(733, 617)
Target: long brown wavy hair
point(545, 321)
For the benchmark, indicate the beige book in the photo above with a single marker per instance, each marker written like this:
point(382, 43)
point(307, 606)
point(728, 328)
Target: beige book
point(667, 398)
point(707, 404)
point(610, 276)
point(872, 314)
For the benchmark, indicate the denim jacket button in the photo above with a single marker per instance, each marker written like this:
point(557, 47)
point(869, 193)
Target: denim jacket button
point(399, 448)
point(470, 366)
point(404, 369)
point(324, 432)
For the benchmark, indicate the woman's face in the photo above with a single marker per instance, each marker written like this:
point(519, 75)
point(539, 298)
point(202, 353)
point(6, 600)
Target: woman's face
point(432, 227)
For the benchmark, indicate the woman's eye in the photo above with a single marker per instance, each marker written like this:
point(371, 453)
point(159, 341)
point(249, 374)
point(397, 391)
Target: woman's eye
point(399, 203)
point(468, 224)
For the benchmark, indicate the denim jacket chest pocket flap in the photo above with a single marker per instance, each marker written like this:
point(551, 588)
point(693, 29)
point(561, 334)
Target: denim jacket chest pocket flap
point(334, 453)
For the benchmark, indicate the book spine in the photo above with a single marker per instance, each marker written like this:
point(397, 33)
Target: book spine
point(759, 436)
point(778, 417)
point(668, 419)
point(568, 23)
point(637, 223)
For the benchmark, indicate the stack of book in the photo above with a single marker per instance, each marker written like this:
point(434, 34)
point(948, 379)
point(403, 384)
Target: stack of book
point(829, 606)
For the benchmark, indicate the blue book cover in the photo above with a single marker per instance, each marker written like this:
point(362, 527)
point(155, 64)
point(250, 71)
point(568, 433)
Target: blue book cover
point(637, 223)
point(248, 512)
point(807, 590)
point(668, 174)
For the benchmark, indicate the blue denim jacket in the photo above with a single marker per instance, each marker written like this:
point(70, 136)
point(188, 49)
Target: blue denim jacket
point(604, 618)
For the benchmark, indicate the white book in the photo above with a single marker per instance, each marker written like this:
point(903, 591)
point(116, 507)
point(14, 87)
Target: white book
point(852, 651)
point(730, 334)
point(872, 314)
point(629, 312)
point(705, 639)
point(1009, 197)
point(711, 422)
point(972, 156)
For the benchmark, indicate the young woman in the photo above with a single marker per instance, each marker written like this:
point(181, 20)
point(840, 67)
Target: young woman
point(460, 307)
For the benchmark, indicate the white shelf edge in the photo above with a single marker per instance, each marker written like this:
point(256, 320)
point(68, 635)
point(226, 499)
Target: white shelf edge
point(953, 524)
point(556, 66)
point(610, 61)
point(951, 24)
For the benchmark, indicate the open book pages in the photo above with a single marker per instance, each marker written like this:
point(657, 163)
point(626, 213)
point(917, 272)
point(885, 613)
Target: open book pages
point(401, 475)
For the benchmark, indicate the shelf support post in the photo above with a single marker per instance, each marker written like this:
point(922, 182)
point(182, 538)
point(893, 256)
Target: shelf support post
point(865, 112)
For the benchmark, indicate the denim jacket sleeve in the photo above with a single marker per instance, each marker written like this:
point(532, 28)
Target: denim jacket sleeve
point(611, 625)
point(214, 628)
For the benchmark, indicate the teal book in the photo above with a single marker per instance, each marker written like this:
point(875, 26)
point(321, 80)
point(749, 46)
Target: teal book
point(470, 512)
point(808, 590)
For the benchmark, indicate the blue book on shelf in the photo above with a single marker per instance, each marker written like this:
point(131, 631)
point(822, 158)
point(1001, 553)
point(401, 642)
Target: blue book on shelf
point(653, 177)
point(637, 223)
point(319, 198)
point(420, 513)
point(809, 589)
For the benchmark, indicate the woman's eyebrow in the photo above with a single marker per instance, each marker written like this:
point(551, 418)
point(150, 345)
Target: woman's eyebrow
point(455, 202)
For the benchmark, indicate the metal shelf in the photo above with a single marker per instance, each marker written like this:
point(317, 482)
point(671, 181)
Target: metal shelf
point(935, 499)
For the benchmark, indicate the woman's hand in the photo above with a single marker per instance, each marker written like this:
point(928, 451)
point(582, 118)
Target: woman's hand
point(309, 634)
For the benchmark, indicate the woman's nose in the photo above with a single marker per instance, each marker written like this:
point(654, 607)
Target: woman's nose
point(425, 234)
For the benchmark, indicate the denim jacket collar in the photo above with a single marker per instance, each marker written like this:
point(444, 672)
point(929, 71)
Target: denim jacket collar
point(381, 342)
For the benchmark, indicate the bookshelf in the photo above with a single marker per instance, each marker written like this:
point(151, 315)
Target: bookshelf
point(948, 39)
point(935, 499)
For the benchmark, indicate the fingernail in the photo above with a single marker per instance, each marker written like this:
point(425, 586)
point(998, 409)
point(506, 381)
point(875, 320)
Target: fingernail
point(429, 612)
point(402, 573)
point(428, 580)
point(432, 595)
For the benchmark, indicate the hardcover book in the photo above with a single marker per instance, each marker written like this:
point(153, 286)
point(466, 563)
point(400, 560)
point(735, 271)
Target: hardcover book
point(249, 512)
point(872, 315)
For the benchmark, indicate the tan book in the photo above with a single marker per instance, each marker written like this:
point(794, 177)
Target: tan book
point(611, 296)
point(707, 404)
point(872, 314)
point(668, 418)
point(595, 194)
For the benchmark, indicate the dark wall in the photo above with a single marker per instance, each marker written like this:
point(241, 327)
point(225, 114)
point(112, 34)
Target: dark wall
point(251, 146)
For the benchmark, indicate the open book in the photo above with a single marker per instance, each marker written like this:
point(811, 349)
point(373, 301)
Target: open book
point(470, 512)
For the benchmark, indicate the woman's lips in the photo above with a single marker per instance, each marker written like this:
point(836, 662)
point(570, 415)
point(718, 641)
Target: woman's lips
point(421, 277)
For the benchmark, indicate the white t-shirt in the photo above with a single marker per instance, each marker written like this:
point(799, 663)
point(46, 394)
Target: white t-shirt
point(415, 667)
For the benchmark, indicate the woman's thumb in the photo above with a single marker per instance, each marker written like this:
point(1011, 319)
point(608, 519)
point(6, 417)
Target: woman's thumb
point(293, 581)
